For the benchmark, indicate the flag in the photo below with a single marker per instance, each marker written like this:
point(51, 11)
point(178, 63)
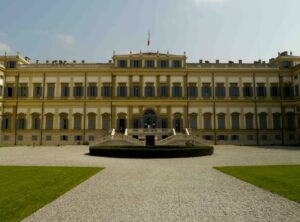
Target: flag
point(148, 43)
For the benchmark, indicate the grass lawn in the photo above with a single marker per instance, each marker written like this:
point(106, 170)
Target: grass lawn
point(282, 179)
point(25, 189)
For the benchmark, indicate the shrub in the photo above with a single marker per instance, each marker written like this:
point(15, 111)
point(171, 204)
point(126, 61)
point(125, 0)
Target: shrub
point(151, 152)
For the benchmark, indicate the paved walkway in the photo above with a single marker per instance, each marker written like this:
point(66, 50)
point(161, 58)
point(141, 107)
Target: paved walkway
point(185, 189)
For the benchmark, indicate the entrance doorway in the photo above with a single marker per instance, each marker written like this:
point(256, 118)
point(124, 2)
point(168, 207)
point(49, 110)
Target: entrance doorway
point(122, 125)
point(150, 119)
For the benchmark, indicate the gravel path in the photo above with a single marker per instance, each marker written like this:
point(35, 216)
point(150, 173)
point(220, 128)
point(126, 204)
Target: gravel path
point(185, 189)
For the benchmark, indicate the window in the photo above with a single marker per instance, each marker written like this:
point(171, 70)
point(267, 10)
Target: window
point(206, 90)
point(21, 122)
point(221, 121)
point(176, 90)
point(122, 90)
point(91, 138)
point(149, 63)
point(263, 121)
point(11, 64)
point(20, 137)
point(92, 90)
point(235, 121)
point(164, 123)
point(50, 90)
point(65, 90)
point(48, 138)
point(234, 137)
point(105, 121)
point(36, 121)
point(23, 90)
point(288, 91)
point(250, 137)
point(261, 90)
point(176, 64)
point(163, 63)
point(207, 121)
point(290, 121)
point(220, 90)
point(64, 138)
point(91, 121)
point(9, 91)
point(34, 138)
point(106, 90)
point(296, 90)
point(136, 63)
point(136, 91)
point(1, 90)
point(249, 120)
point(221, 137)
point(78, 90)
point(276, 121)
point(247, 90)
point(164, 91)
point(275, 90)
point(122, 63)
point(149, 90)
point(37, 90)
point(77, 121)
point(277, 137)
point(78, 138)
point(49, 121)
point(234, 90)
point(192, 90)
point(264, 137)
point(64, 122)
point(6, 122)
point(193, 121)
point(136, 123)
point(208, 137)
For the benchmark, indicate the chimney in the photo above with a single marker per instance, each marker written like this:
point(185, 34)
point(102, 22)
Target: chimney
point(240, 61)
point(200, 61)
point(217, 61)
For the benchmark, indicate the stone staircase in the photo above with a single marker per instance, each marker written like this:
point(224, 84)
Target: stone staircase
point(115, 139)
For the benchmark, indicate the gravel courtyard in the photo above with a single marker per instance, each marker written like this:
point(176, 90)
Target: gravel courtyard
point(184, 189)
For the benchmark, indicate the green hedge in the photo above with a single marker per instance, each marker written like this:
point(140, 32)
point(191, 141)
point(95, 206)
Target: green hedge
point(151, 152)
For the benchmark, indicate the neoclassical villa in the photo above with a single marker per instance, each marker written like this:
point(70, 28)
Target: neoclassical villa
point(74, 102)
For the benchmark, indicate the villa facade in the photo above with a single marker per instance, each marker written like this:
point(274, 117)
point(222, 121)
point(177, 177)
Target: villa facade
point(60, 102)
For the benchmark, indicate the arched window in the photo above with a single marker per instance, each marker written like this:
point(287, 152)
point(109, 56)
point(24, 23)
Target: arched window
point(276, 121)
point(177, 122)
point(221, 121)
point(92, 121)
point(77, 121)
point(249, 120)
point(21, 121)
point(193, 120)
point(290, 120)
point(207, 120)
point(36, 121)
point(6, 121)
point(235, 120)
point(49, 121)
point(64, 121)
point(263, 124)
point(106, 122)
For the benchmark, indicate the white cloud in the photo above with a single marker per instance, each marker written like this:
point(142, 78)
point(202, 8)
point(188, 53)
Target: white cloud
point(65, 38)
point(199, 2)
point(4, 47)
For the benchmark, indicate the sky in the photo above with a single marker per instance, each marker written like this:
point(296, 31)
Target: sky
point(91, 30)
